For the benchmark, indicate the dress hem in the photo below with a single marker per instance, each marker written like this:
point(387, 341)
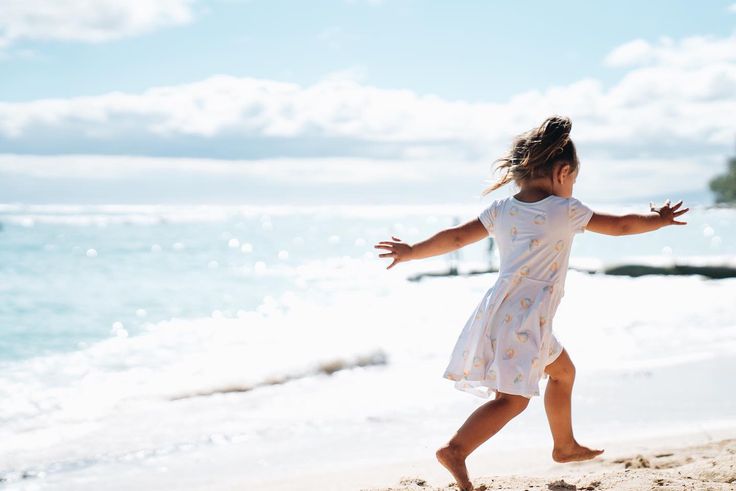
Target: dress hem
point(474, 387)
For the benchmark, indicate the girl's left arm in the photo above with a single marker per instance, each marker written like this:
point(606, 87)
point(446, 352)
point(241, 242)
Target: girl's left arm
point(636, 223)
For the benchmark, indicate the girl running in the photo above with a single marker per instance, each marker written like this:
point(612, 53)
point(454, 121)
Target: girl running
point(507, 344)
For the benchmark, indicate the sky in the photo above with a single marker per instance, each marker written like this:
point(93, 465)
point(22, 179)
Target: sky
point(255, 101)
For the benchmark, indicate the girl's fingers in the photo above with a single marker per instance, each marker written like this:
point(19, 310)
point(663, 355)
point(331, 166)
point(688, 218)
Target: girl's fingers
point(677, 205)
point(396, 238)
point(392, 264)
point(678, 213)
point(679, 223)
point(383, 246)
point(387, 254)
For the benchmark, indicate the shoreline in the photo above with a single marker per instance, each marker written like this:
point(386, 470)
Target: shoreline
point(699, 459)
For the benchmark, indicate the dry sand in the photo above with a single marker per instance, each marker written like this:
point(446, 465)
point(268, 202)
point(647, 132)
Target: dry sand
point(710, 466)
point(697, 460)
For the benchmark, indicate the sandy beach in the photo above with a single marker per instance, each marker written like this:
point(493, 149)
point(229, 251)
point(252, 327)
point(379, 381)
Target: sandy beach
point(694, 461)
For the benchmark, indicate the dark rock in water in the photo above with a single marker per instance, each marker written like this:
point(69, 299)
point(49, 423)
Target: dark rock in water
point(715, 272)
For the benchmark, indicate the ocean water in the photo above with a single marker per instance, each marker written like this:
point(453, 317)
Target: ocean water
point(150, 343)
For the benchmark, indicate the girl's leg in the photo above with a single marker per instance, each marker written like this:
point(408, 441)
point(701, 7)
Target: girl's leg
point(557, 403)
point(482, 424)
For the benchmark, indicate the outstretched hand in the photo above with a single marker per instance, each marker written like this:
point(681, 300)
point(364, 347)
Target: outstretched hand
point(669, 213)
point(400, 251)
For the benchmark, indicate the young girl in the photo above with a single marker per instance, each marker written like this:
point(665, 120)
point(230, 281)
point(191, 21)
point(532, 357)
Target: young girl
point(507, 344)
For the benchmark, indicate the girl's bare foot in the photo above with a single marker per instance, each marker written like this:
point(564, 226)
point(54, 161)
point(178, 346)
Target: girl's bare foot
point(573, 453)
point(455, 463)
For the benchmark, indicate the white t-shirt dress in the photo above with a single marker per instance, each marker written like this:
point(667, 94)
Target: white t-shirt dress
point(508, 339)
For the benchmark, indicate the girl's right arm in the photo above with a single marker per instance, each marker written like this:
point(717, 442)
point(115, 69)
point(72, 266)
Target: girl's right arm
point(442, 242)
point(449, 239)
point(635, 223)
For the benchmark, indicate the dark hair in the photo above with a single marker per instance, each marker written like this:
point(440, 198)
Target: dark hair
point(534, 153)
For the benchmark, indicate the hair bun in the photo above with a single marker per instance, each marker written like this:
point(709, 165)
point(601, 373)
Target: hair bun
point(555, 134)
point(557, 128)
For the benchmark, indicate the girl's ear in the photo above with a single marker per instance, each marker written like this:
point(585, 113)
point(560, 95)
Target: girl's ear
point(565, 172)
point(560, 172)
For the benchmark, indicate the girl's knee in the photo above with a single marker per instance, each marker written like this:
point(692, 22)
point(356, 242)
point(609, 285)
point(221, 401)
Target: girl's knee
point(566, 373)
point(562, 369)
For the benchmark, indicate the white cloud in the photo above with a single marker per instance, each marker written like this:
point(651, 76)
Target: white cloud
point(336, 107)
point(658, 102)
point(693, 52)
point(87, 20)
point(671, 114)
point(634, 52)
point(732, 8)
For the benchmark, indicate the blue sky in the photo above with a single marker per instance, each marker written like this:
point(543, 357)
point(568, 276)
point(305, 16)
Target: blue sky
point(422, 85)
point(467, 50)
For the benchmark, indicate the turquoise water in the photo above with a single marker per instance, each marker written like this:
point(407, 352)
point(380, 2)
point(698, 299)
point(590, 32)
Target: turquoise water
point(69, 277)
point(73, 275)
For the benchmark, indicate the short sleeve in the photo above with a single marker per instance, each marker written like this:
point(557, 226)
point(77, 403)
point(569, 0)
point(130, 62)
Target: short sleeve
point(488, 217)
point(579, 214)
